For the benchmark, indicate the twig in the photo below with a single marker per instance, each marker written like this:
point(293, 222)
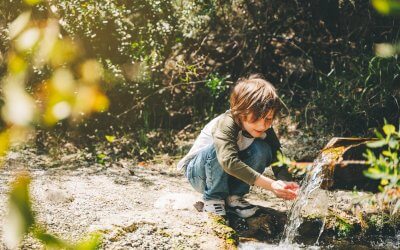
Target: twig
point(201, 44)
point(155, 92)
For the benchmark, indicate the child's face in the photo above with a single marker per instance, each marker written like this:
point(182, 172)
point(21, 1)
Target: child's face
point(256, 128)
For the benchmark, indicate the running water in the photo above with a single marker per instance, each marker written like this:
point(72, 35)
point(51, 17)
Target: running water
point(310, 184)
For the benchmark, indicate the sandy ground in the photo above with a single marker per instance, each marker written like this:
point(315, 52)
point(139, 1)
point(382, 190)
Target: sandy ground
point(142, 207)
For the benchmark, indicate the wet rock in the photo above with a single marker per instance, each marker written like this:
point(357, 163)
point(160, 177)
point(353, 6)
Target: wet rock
point(265, 225)
point(198, 205)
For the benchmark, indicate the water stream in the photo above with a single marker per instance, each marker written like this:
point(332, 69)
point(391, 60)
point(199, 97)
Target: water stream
point(311, 183)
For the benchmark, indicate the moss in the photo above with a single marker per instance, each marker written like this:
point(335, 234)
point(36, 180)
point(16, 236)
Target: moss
point(131, 228)
point(165, 234)
point(230, 243)
point(224, 232)
point(380, 223)
point(343, 227)
point(117, 235)
point(377, 220)
point(120, 232)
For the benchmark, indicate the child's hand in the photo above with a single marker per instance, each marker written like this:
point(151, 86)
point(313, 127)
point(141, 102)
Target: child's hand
point(292, 185)
point(285, 190)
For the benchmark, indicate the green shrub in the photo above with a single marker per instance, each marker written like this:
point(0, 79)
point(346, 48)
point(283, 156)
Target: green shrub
point(385, 166)
point(167, 62)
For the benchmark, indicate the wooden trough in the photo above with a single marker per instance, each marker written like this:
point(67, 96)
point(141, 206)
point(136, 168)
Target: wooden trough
point(346, 172)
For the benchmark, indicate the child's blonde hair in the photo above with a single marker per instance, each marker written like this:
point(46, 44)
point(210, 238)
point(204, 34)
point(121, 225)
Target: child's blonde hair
point(253, 95)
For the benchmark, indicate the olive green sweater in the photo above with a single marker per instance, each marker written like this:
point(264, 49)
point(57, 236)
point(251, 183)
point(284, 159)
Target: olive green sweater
point(225, 134)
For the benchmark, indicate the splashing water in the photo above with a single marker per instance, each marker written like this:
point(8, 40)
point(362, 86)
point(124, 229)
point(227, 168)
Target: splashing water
point(321, 230)
point(310, 184)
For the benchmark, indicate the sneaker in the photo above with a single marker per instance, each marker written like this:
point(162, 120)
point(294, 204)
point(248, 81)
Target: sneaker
point(240, 206)
point(215, 206)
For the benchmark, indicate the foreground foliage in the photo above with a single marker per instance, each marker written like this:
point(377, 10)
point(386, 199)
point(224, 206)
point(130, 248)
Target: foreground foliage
point(385, 166)
point(68, 90)
point(21, 221)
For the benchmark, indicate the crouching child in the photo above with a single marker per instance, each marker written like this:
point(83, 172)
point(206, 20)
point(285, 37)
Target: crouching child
point(233, 150)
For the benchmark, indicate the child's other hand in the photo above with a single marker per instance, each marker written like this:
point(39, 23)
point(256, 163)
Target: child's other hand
point(285, 190)
point(292, 185)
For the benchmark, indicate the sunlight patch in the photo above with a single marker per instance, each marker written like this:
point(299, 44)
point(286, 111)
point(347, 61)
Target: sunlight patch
point(176, 201)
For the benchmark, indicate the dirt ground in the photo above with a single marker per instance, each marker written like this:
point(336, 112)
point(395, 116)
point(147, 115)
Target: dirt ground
point(134, 206)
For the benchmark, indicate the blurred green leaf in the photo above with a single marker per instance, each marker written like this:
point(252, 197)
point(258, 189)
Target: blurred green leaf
point(20, 217)
point(19, 24)
point(92, 243)
point(32, 2)
point(377, 144)
point(370, 155)
point(21, 220)
point(20, 106)
point(379, 134)
point(53, 242)
point(389, 129)
point(19, 196)
point(28, 39)
point(375, 173)
point(4, 142)
point(393, 143)
point(387, 7)
point(384, 50)
point(384, 182)
point(100, 158)
point(16, 64)
point(216, 84)
point(64, 51)
point(110, 138)
point(386, 166)
point(50, 241)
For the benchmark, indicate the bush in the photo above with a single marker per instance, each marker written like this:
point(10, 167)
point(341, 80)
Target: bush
point(386, 165)
point(169, 64)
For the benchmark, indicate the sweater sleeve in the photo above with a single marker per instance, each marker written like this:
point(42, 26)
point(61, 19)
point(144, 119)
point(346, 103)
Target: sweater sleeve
point(225, 140)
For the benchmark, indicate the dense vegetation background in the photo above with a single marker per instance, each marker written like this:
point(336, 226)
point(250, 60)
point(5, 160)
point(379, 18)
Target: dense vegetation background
point(170, 64)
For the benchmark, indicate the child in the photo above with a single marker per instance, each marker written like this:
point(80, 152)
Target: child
point(233, 150)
